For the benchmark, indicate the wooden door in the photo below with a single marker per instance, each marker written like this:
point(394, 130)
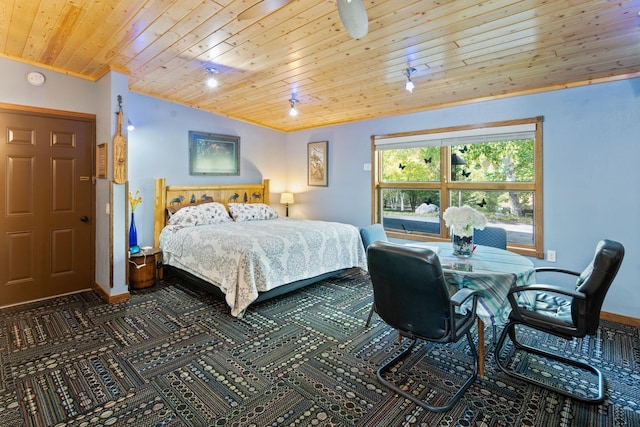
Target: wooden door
point(46, 207)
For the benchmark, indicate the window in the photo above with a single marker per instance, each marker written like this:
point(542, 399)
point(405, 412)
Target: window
point(495, 168)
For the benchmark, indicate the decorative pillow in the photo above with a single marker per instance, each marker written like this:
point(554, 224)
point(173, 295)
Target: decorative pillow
point(213, 213)
point(201, 214)
point(186, 216)
point(175, 208)
point(251, 212)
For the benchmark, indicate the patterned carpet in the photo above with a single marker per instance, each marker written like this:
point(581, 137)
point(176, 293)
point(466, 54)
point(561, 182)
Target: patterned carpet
point(173, 356)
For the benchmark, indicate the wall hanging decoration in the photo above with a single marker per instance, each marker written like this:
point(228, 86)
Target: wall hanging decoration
point(101, 160)
point(119, 150)
point(317, 164)
point(213, 154)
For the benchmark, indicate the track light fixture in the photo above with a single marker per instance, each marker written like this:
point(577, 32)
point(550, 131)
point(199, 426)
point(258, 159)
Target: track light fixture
point(211, 81)
point(130, 126)
point(409, 86)
point(293, 111)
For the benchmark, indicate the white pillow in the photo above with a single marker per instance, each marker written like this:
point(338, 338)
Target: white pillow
point(213, 213)
point(186, 216)
point(251, 212)
point(202, 214)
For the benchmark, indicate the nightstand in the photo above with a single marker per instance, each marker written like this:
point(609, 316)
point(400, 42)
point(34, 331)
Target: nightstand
point(143, 266)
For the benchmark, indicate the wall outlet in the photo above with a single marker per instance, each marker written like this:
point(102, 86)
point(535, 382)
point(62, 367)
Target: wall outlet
point(107, 208)
point(367, 166)
point(551, 256)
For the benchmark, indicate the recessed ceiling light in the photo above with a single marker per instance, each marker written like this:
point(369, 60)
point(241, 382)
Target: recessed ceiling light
point(211, 81)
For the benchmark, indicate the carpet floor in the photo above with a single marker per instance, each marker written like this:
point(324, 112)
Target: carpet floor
point(173, 356)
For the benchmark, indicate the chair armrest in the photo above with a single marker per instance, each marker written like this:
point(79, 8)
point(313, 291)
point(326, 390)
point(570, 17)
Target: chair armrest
point(462, 296)
point(514, 292)
point(555, 270)
point(459, 299)
point(546, 288)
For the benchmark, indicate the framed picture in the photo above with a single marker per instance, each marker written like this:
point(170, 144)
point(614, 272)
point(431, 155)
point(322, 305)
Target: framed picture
point(317, 164)
point(101, 160)
point(213, 154)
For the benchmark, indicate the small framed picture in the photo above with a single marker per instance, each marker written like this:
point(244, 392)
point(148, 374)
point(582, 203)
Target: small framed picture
point(101, 160)
point(317, 164)
point(213, 154)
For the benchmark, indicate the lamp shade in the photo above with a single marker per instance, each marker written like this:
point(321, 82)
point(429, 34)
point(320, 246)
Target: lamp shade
point(286, 198)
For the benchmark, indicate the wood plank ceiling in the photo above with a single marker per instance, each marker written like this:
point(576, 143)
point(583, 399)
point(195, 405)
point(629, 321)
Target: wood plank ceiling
point(462, 51)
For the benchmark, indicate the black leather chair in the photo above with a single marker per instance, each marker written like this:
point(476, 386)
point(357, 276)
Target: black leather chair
point(564, 313)
point(369, 234)
point(412, 296)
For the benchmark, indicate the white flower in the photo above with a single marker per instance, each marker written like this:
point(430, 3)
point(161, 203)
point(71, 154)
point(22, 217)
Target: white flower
point(464, 219)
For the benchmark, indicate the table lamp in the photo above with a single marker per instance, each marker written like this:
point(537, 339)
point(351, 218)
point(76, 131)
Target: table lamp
point(286, 199)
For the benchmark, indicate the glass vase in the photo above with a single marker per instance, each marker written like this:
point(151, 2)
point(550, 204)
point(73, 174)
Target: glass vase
point(462, 245)
point(133, 233)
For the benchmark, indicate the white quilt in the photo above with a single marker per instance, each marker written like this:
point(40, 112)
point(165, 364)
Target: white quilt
point(244, 258)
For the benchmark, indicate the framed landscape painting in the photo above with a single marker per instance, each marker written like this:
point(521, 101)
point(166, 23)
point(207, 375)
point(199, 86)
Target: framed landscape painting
point(213, 154)
point(317, 164)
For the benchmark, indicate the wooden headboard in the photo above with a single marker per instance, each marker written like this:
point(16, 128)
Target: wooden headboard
point(177, 195)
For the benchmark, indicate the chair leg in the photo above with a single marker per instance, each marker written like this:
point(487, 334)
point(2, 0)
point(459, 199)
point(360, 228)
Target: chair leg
point(452, 401)
point(509, 330)
point(373, 308)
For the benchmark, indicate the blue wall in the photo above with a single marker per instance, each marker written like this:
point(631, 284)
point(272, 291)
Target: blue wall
point(591, 143)
point(591, 146)
point(159, 148)
point(591, 138)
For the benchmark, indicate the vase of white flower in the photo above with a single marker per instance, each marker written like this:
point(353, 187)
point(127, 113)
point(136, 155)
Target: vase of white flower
point(461, 222)
point(462, 245)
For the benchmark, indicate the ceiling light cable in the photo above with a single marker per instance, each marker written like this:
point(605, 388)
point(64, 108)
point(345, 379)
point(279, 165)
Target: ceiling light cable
point(409, 86)
point(211, 80)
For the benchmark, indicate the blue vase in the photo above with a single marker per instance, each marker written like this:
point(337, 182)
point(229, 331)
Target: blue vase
point(133, 233)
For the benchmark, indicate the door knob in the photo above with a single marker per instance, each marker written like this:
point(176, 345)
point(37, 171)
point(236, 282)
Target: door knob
point(84, 218)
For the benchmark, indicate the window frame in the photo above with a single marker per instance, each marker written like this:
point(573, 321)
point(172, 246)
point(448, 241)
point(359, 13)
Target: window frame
point(446, 184)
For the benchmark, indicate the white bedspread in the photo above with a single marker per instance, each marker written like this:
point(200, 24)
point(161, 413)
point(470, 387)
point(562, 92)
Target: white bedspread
point(244, 258)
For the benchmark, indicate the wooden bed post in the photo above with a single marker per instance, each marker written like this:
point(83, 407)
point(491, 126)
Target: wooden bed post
point(266, 193)
point(159, 207)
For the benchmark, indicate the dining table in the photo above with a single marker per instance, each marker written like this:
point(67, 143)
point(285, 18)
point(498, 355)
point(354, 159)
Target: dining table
point(492, 272)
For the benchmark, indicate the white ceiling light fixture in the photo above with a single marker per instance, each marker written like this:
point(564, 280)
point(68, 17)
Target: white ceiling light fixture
point(130, 126)
point(354, 17)
point(409, 86)
point(293, 111)
point(211, 80)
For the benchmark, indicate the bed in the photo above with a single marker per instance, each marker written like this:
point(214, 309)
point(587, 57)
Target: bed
point(252, 254)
